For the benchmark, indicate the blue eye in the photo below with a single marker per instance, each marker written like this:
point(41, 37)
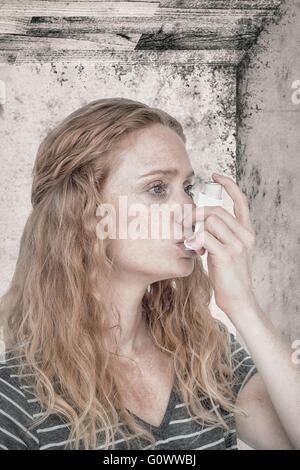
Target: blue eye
point(163, 193)
point(160, 194)
point(190, 193)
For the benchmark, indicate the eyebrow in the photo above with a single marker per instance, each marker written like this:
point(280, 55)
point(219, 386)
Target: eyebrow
point(168, 171)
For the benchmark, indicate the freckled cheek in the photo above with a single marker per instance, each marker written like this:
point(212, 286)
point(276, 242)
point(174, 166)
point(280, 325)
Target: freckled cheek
point(140, 254)
point(149, 228)
point(160, 227)
point(147, 249)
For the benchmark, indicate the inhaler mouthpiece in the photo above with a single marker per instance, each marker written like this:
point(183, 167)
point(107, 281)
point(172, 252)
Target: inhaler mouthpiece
point(211, 196)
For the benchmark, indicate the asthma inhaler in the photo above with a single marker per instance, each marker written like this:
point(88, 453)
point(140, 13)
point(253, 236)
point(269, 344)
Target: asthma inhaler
point(211, 196)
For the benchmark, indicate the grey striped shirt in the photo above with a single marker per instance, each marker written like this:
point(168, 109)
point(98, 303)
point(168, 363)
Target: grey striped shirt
point(18, 408)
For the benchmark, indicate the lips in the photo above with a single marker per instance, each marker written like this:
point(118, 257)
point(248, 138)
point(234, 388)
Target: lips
point(183, 245)
point(180, 241)
point(185, 250)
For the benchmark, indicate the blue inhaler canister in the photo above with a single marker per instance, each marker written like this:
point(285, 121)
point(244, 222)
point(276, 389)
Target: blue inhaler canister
point(211, 196)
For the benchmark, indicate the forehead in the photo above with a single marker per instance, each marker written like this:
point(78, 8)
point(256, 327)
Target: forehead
point(156, 146)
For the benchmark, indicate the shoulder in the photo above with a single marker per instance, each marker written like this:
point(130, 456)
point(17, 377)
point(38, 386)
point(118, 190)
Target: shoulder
point(9, 362)
point(11, 389)
point(16, 413)
point(9, 376)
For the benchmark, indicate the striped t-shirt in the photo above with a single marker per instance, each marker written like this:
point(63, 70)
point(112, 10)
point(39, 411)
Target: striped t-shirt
point(177, 431)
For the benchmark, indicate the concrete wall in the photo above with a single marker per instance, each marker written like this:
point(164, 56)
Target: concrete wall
point(38, 96)
point(268, 164)
point(202, 97)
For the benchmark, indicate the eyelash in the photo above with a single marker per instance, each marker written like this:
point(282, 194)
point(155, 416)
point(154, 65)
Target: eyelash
point(164, 185)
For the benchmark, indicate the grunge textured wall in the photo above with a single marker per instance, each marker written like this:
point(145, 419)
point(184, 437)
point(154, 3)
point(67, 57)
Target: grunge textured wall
point(39, 95)
point(268, 163)
point(230, 79)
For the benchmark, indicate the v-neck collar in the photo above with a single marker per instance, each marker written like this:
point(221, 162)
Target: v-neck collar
point(167, 415)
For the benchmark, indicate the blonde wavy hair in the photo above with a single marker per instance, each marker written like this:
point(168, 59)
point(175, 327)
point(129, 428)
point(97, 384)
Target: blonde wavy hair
point(55, 311)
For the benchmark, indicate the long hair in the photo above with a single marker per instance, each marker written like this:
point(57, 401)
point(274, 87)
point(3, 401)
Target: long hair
point(54, 313)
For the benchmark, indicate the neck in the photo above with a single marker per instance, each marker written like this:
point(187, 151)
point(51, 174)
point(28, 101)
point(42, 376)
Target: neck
point(134, 336)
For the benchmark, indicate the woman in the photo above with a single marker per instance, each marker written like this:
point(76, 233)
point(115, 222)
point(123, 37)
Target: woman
point(110, 343)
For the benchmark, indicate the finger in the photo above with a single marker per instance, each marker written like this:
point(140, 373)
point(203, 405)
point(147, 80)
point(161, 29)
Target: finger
point(244, 235)
point(241, 209)
point(200, 214)
point(209, 242)
point(221, 232)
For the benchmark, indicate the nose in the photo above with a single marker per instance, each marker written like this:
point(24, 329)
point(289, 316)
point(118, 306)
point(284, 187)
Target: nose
point(187, 207)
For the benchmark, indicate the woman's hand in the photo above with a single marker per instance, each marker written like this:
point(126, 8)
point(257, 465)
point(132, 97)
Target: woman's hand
point(229, 242)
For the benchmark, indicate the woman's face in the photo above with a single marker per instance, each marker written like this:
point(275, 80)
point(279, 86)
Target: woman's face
point(149, 259)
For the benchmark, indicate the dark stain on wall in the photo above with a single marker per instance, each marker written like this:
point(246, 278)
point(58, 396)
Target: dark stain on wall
point(278, 195)
point(162, 41)
point(39, 19)
point(184, 70)
point(122, 35)
point(79, 68)
point(11, 58)
point(120, 69)
point(243, 98)
point(53, 68)
point(60, 77)
point(254, 183)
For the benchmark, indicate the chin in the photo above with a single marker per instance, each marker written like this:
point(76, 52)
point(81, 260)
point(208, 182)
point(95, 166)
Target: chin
point(185, 268)
point(188, 269)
